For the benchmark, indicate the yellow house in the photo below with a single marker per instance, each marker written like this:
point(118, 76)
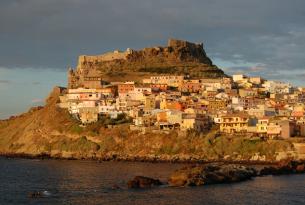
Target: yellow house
point(194, 121)
point(150, 102)
point(169, 119)
point(233, 123)
point(256, 80)
point(262, 126)
point(88, 114)
point(170, 80)
point(217, 104)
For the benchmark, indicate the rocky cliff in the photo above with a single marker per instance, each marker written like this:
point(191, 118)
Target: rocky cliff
point(178, 57)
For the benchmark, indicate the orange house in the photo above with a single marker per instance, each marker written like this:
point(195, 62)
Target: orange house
point(174, 105)
point(192, 87)
point(125, 88)
point(110, 91)
point(158, 87)
point(162, 117)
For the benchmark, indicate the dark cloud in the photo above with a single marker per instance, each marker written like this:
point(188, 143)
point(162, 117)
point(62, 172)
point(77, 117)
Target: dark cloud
point(5, 81)
point(52, 33)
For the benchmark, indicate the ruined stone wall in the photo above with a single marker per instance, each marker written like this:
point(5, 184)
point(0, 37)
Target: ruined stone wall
point(175, 51)
point(95, 84)
point(181, 43)
point(110, 56)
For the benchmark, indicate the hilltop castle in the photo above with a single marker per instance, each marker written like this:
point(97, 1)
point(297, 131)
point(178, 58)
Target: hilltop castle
point(178, 57)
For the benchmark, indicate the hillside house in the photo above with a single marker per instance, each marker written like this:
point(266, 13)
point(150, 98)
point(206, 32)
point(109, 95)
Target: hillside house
point(281, 129)
point(262, 126)
point(88, 114)
point(126, 87)
point(170, 80)
point(234, 123)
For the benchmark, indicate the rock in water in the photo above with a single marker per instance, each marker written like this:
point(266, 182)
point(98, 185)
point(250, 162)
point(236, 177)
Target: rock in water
point(39, 194)
point(211, 174)
point(187, 176)
point(143, 182)
point(35, 194)
point(284, 167)
point(300, 168)
point(115, 187)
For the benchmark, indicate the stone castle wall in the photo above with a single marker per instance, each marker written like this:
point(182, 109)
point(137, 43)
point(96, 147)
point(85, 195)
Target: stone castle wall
point(181, 43)
point(110, 56)
point(118, 55)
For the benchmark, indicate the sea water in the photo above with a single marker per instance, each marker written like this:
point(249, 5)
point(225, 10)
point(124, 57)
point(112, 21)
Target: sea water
point(92, 182)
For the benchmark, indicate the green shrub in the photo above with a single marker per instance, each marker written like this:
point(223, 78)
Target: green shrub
point(169, 149)
point(76, 129)
point(81, 144)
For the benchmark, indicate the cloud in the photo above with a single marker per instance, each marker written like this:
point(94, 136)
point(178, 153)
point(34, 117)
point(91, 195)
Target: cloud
point(52, 33)
point(37, 100)
point(5, 81)
point(257, 68)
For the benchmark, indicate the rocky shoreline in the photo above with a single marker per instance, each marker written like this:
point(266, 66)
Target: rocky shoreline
point(218, 173)
point(198, 175)
point(150, 159)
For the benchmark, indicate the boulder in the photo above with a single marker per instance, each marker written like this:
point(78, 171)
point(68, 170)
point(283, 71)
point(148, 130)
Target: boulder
point(212, 174)
point(35, 194)
point(143, 182)
point(115, 187)
point(300, 168)
point(39, 194)
point(187, 176)
point(268, 171)
point(284, 167)
point(236, 173)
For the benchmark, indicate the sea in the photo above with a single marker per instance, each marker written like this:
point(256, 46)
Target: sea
point(93, 182)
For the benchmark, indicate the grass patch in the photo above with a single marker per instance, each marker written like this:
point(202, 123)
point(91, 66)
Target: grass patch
point(81, 144)
point(76, 129)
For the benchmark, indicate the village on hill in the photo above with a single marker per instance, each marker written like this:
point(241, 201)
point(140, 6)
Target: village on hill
point(162, 103)
point(251, 106)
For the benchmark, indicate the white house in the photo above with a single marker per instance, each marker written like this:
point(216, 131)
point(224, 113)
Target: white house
point(238, 77)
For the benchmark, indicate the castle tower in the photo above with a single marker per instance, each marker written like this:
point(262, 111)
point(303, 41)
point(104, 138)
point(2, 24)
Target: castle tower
point(71, 78)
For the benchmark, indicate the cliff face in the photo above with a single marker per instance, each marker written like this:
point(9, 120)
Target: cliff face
point(31, 131)
point(178, 57)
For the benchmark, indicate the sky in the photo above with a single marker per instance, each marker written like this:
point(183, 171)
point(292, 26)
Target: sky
point(40, 39)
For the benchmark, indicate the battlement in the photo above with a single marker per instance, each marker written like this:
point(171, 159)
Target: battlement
point(109, 56)
point(195, 50)
point(181, 43)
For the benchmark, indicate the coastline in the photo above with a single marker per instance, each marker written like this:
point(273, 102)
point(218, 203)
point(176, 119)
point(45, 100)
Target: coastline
point(46, 156)
point(192, 173)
